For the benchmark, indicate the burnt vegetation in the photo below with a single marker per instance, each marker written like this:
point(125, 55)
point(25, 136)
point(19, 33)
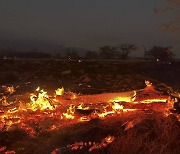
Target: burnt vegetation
point(108, 70)
point(149, 132)
point(95, 101)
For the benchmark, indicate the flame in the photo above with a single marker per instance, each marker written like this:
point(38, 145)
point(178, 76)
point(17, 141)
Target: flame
point(38, 88)
point(116, 106)
point(59, 91)
point(70, 112)
point(81, 106)
point(68, 116)
point(40, 101)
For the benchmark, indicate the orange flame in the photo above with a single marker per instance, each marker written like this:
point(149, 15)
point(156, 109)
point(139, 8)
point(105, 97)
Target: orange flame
point(40, 101)
point(59, 91)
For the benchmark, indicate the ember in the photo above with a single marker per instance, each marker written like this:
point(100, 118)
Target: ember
point(10, 90)
point(90, 145)
point(62, 111)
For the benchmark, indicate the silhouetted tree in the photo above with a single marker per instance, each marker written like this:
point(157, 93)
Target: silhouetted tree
point(72, 54)
point(123, 50)
point(7, 53)
point(161, 53)
point(107, 52)
point(147, 54)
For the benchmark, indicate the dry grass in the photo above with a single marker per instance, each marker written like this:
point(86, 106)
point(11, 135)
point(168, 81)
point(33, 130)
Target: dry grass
point(154, 135)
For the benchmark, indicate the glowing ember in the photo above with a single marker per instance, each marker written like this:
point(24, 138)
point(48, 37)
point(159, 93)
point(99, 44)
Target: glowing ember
point(154, 100)
point(122, 99)
point(10, 152)
point(81, 106)
point(106, 141)
point(149, 95)
point(10, 90)
point(89, 145)
point(131, 124)
point(3, 101)
point(2, 148)
point(85, 118)
point(148, 83)
point(42, 107)
point(105, 113)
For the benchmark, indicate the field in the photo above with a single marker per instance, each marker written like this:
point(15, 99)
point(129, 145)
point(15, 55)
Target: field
point(77, 121)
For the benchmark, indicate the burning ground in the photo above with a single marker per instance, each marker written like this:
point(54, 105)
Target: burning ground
point(47, 120)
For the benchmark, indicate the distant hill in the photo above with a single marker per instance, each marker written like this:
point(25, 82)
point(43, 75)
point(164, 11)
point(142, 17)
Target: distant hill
point(26, 45)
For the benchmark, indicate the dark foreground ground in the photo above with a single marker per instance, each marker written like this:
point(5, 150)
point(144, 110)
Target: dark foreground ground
point(152, 132)
point(88, 76)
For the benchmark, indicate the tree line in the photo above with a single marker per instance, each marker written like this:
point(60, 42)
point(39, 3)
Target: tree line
point(120, 52)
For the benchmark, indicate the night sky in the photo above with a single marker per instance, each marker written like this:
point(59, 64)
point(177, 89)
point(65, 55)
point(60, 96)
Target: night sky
point(88, 23)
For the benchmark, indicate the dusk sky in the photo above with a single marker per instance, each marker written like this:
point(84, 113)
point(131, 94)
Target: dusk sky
point(88, 23)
